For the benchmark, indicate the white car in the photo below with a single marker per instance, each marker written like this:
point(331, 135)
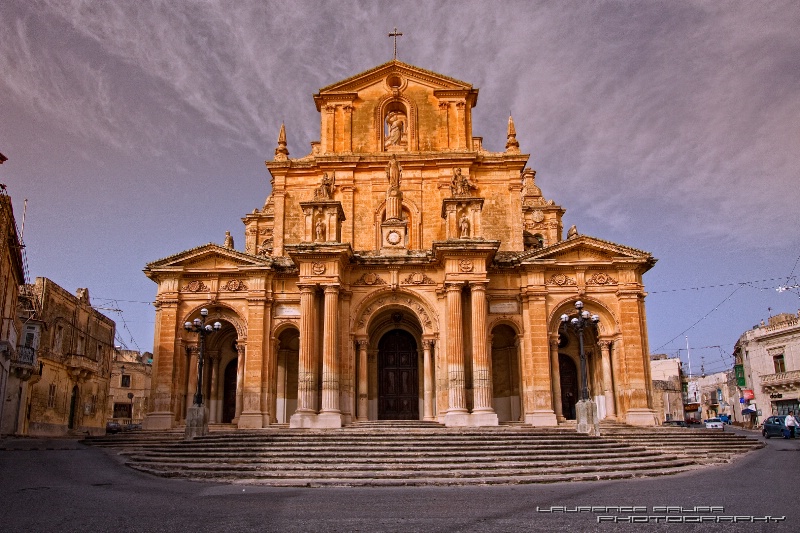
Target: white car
point(715, 423)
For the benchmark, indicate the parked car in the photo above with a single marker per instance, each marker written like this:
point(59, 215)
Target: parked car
point(774, 426)
point(113, 427)
point(715, 423)
point(676, 423)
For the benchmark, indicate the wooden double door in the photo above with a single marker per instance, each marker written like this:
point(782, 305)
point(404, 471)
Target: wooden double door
point(398, 377)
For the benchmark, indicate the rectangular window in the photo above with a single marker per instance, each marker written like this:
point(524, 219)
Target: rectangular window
point(51, 396)
point(780, 364)
point(125, 381)
point(122, 410)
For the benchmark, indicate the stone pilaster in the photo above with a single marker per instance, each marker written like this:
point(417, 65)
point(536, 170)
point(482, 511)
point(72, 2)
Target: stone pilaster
point(555, 374)
point(306, 384)
point(608, 383)
point(482, 412)
point(330, 415)
point(363, 377)
point(536, 327)
point(427, 364)
point(161, 390)
point(638, 410)
point(240, 366)
point(457, 414)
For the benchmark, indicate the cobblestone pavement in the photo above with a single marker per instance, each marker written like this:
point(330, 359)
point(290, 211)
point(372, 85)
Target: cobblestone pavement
point(62, 485)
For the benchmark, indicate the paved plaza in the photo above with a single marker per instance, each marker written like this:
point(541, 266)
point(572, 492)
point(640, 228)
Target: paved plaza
point(62, 485)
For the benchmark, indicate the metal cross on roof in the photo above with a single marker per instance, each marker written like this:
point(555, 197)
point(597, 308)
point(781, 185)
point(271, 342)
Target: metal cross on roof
point(395, 34)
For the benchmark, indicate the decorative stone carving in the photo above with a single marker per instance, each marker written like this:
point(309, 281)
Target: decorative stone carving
point(600, 278)
point(228, 243)
point(370, 278)
point(561, 280)
point(196, 286)
point(573, 232)
point(466, 265)
point(418, 278)
point(394, 237)
point(537, 216)
point(327, 185)
point(318, 269)
point(234, 285)
point(460, 185)
point(395, 130)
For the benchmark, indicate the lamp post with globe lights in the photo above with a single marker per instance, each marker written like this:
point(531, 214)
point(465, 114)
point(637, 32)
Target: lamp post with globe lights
point(197, 414)
point(586, 409)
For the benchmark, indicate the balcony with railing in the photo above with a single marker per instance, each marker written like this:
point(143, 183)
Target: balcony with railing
point(780, 380)
point(23, 362)
point(80, 366)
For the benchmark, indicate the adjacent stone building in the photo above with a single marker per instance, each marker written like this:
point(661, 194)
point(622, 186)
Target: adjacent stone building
point(68, 394)
point(767, 361)
point(401, 271)
point(129, 387)
point(668, 394)
point(17, 360)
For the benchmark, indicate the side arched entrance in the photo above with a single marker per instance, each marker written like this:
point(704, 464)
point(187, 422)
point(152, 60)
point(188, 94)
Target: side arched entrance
point(569, 385)
point(398, 376)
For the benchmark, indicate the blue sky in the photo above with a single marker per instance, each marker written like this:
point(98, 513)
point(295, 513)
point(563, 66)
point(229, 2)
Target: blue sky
point(140, 129)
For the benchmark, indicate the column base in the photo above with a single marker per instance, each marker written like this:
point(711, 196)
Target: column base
point(457, 418)
point(158, 421)
point(329, 420)
point(542, 418)
point(586, 417)
point(253, 420)
point(196, 422)
point(641, 417)
point(303, 420)
point(488, 418)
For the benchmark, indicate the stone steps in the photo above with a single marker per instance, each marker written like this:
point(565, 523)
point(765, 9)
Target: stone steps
point(416, 453)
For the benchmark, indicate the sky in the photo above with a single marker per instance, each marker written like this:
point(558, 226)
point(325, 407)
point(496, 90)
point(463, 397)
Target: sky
point(136, 130)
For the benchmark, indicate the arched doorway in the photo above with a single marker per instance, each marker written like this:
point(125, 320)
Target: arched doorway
point(569, 385)
point(398, 377)
point(229, 392)
point(73, 408)
point(288, 359)
point(505, 373)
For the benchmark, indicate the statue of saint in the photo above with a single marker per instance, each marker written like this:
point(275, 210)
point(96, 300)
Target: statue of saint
point(393, 174)
point(572, 232)
point(319, 229)
point(461, 185)
point(463, 226)
point(228, 242)
point(396, 124)
point(324, 190)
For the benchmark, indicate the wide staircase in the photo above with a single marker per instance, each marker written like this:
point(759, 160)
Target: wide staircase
point(417, 453)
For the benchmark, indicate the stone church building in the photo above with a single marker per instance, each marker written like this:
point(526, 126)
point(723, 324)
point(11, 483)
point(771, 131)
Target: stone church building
point(400, 271)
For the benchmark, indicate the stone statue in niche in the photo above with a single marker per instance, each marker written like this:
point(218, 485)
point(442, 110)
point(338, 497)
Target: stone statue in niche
point(461, 185)
point(395, 129)
point(463, 226)
point(324, 190)
point(319, 230)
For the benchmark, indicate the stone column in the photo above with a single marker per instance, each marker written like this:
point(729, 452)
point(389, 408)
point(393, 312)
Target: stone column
point(211, 397)
point(457, 414)
point(427, 364)
point(191, 378)
point(482, 411)
point(555, 373)
point(608, 384)
point(240, 350)
point(306, 384)
point(330, 415)
point(363, 377)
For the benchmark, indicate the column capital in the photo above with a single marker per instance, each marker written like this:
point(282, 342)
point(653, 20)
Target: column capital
point(452, 286)
point(363, 344)
point(332, 288)
point(604, 344)
point(427, 344)
point(479, 285)
point(307, 288)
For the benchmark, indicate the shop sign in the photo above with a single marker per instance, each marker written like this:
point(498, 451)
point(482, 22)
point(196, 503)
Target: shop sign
point(747, 394)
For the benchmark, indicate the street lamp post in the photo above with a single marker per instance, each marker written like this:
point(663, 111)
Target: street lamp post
point(586, 409)
point(197, 414)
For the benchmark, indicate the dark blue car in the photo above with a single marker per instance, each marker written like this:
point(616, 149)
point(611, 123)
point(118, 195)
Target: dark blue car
point(774, 426)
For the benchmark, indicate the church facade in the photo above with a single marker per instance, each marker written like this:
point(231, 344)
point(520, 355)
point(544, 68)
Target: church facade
point(400, 271)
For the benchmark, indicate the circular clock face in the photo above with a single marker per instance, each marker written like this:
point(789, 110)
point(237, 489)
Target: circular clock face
point(393, 237)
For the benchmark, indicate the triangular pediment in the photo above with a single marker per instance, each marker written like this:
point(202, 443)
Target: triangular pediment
point(208, 257)
point(380, 73)
point(587, 249)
